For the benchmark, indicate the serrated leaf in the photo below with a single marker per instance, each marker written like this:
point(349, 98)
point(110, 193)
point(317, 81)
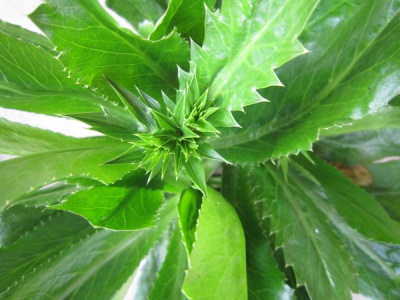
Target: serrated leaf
point(264, 279)
point(24, 174)
point(20, 139)
point(135, 106)
point(168, 284)
point(185, 15)
point(117, 53)
point(354, 205)
point(113, 207)
point(333, 84)
point(188, 208)
point(217, 261)
point(47, 89)
point(194, 169)
point(300, 229)
point(243, 44)
point(386, 117)
point(34, 265)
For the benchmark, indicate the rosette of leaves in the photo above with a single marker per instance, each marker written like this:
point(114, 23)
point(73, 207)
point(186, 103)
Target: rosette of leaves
point(246, 150)
point(166, 129)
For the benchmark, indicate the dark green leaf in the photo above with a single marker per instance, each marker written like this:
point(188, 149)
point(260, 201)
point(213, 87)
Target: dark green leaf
point(376, 153)
point(350, 72)
point(92, 44)
point(310, 246)
point(39, 262)
point(264, 279)
point(243, 44)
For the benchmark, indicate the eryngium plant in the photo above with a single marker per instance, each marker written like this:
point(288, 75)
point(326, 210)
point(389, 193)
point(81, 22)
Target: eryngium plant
point(245, 149)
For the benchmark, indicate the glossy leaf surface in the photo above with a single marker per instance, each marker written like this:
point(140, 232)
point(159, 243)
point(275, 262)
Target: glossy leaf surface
point(243, 44)
point(113, 207)
point(264, 279)
point(114, 52)
point(341, 79)
point(217, 261)
point(24, 174)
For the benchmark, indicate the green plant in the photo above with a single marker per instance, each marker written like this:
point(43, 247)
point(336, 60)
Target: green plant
point(199, 187)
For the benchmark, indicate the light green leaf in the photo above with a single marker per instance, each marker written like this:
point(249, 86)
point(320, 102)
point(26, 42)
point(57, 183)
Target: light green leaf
point(24, 174)
point(194, 169)
point(25, 86)
point(185, 15)
point(264, 279)
point(243, 44)
point(115, 207)
point(38, 264)
point(341, 79)
point(115, 52)
point(141, 14)
point(217, 261)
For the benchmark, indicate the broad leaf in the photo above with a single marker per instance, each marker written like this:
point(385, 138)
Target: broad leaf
point(243, 44)
point(185, 15)
point(47, 89)
point(264, 279)
point(387, 117)
point(332, 85)
point(20, 139)
point(24, 174)
point(217, 261)
point(114, 52)
point(114, 207)
point(376, 153)
point(307, 240)
point(39, 262)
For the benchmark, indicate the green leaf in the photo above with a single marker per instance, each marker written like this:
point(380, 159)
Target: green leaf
point(194, 169)
point(114, 207)
point(185, 15)
point(300, 229)
point(387, 117)
point(117, 53)
point(217, 261)
point(188, 208)
point(25, 86)
point(243, 44)
point(168, 284)
point(20, 139)
point(376, 153)
point(38, 262)
point(377, 267)
point(332, 85)
point(28, 173)
point(141, 14)
point(354, 205)
point(264, 279)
